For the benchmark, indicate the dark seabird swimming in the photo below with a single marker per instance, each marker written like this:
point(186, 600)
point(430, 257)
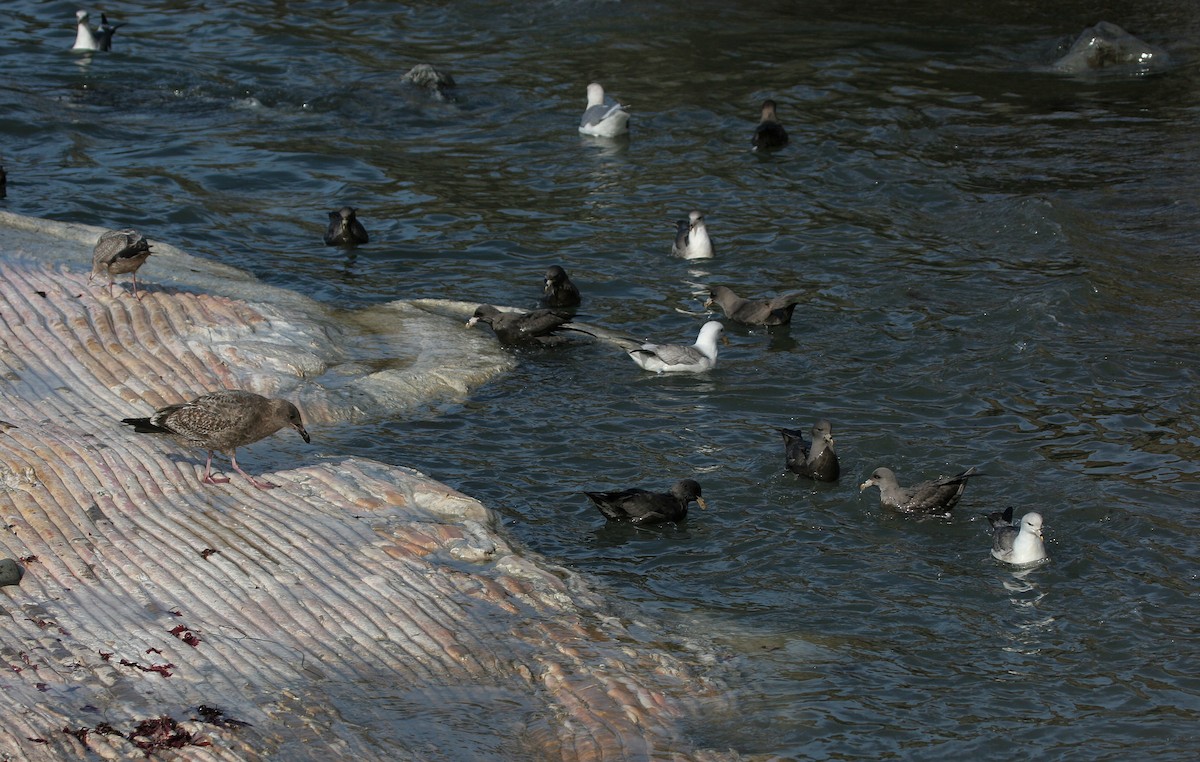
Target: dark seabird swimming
point(691, 238)
point(641, 506)
point(937, 496)
point(774, 311)
point(769, 134)
point(3, 182)
point(559, 290)
point(86, 39)
point(431, 78)
point(345, 229)
point(816, 460)
point(222, 422)
point(603, 116)
point(517, 328)
point(666, 358)
point(1019, 545)
point(118, 252)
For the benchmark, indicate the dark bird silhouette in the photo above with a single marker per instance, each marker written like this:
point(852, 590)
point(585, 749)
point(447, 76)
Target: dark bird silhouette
point(774, 311)
point(559, 292)
point(769, 135)
point(815, 459)
point(517, 328)
point(345, 229)
point(641, 506)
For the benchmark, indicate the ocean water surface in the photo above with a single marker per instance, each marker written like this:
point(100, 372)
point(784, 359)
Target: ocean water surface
point(1001, 267)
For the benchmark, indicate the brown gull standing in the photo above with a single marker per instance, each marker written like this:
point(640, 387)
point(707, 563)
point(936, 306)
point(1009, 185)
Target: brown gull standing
point(517, 328)
point(816, 460)
point(937, 496)
point(223, 421)
point(769, 134)
point(774, 311)
point(560, 291)
point(117, 252)
point(641, 506)
point(345, 229)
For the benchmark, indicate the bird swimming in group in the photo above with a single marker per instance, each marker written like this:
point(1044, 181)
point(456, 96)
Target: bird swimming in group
point(101, 39)
point(666, 358)
point(937, 496)
point(118, 252)
point(223, 421)
point(815, 459)
point(774, 311)
point(691, 238)
point(769, 135)
point(603, 117)
point(641, 506)
point(1019, 545)
point(559, 292)
point(521, 328)
point(345, 229)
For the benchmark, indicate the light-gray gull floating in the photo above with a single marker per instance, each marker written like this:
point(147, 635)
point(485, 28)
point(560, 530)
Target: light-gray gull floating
point(774, 311)
point(666, 358)
point(521, 328)
point(559, 291)
point(769, 135)
point(603, 117)
point(1020, 545)
point(118, 252)
point(223, 421)
point(937, 496)
point(345, 229)
point(101, 39)
point(691, 238)
point(815, 459)
point(641, 506)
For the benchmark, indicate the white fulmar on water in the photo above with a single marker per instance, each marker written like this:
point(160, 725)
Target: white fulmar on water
point(223, 421)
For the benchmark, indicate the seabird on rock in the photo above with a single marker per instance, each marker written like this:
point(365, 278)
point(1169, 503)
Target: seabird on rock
point(345, 229)
point(559, 291)
point(1017, 545)
point(937, 496)
point(118, 252)
point(769, 134)
point(517, 328)
point(691, 238)
point(85, 39)
point(774, 311)
point(666, 358)
point(816, 460)
point(603, 117)
point(223, 421)
point(641, 506)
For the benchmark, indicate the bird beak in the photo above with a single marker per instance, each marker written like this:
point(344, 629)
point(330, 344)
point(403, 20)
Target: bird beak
point(724, 339)
point(471, 323)
point(708, 303)
point(700, 502)
point(864, 485)
point(303, 433)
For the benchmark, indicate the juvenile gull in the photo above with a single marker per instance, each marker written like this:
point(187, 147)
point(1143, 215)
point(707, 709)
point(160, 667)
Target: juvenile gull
point(516, 328)
point(816, 460)
point(769, 134)
point(774, 311)
point(223, 421)
point(345, 229)
point(1017, 545)
point(691, 238)
point(641, 506)
point(937, 496)
point(603, 117)
point(667, 358)
point(118, 252)
point(101, 39)
point(559, 290)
